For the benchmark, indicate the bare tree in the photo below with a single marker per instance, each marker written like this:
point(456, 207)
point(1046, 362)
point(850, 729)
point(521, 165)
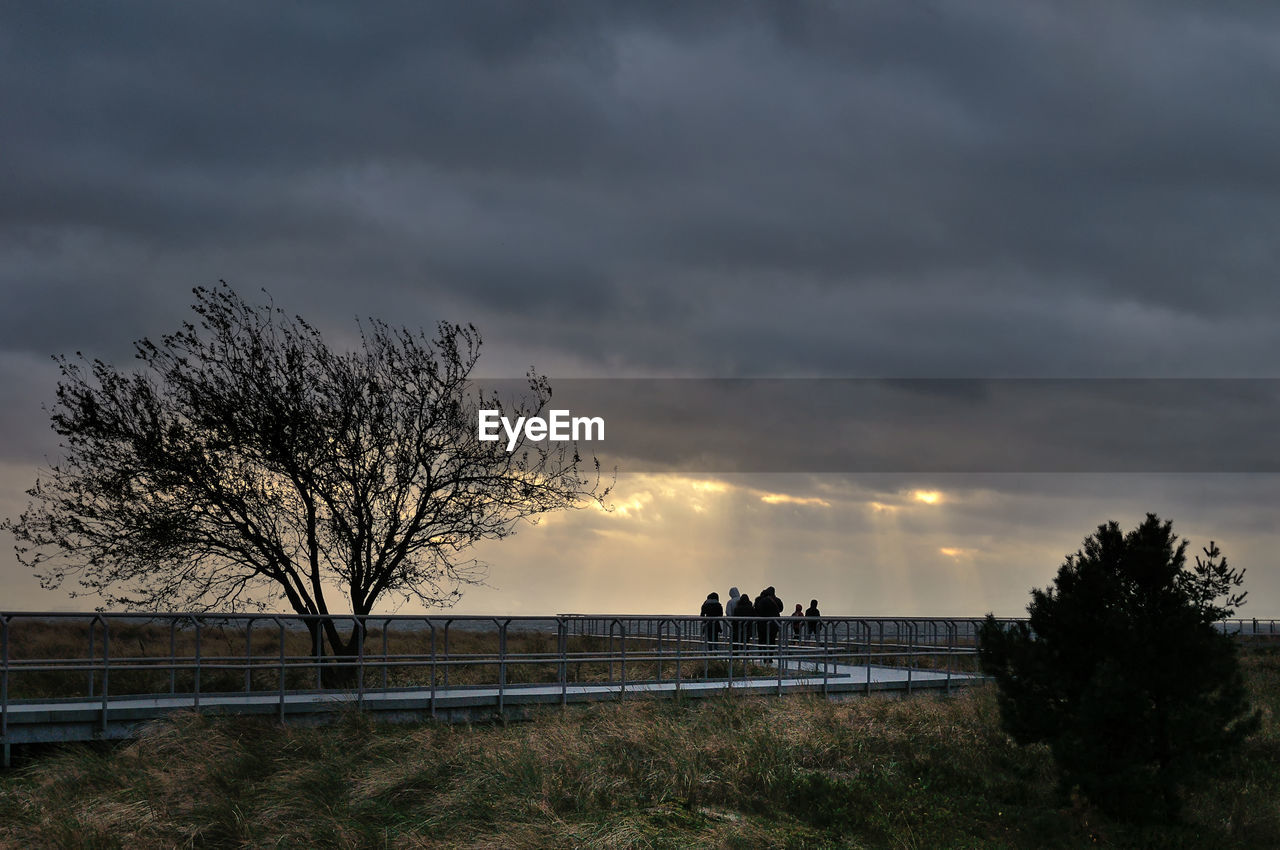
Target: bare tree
point(247, 463)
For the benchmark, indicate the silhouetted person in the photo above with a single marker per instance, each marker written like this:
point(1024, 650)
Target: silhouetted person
point(741, 624)
point(712, 611)
point(768, 608)
point(759, 629)
point(797, 620)
point(734, 595)
point(764, 612)
point(812, 615)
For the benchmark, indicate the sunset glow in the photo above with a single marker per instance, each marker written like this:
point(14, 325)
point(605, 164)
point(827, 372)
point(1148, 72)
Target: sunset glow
point(784, 499)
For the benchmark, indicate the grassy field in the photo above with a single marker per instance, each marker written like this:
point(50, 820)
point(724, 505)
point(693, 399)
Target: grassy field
point(727, 772)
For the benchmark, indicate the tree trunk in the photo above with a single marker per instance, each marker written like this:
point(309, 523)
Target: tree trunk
point(338, 670)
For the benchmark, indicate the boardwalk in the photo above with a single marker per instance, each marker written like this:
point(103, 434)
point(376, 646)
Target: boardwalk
point(120, 717)
point(76, 677)
point(85, 677)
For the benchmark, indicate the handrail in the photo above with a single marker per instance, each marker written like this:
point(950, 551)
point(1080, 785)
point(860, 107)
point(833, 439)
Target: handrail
point(191, 657)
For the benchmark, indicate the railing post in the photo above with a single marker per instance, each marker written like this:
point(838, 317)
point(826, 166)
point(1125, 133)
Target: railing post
point(196, 672)
point(662, 625)
point(360, 630)
point(609, 650)
point(447, 623)
point(562, 647)
point(817, 655)
point(280, 623)
point(173, 655)
point(828, 628)
point(709, 643)
point(778, 656)
point(319, 652)
point(435, 661)
point(248, 656)
point(4, 687)
point(93, 655)
point(911, 653)
point(502, 663)
point(679, 655)
point(106, 671)
point(386, 628)
point(622, 638)
point(432, 627)
point(729, 660)
point(880, 624)
point(951, 650)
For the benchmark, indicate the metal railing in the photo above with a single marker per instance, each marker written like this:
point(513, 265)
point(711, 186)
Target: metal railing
point(51, 657)
point(112, 661)
point(1251, 627)
point(59, 657)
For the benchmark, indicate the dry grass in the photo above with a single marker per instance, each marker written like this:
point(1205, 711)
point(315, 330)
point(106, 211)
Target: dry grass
point(725, 772)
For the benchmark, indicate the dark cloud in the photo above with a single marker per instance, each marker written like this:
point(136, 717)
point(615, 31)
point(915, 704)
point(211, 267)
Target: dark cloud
point(928, 426)
point(924, 190)
point(881, 189)
point(875, 189)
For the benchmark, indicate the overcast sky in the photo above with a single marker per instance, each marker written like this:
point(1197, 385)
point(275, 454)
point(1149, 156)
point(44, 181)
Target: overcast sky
point(882, 189)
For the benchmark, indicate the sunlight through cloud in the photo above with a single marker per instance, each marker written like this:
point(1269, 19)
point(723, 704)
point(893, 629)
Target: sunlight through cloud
point(784, 499)
point(629, 508)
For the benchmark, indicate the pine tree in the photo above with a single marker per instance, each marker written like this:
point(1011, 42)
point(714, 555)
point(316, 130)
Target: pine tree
point(1122, 669)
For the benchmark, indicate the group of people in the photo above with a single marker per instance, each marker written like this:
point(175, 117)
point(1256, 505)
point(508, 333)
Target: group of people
point(758, 620)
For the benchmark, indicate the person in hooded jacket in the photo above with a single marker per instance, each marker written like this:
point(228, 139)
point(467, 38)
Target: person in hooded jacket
point(813, 615)
point(712, 612)
point(733, 601)
point(729, 611)
point(797, 622)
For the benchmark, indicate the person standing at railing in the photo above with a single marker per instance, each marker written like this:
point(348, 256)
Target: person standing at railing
point(758, 631)
point(741, 624)
point(775, 632)
point(711, 613)
point(767, 609)
point(797, 622)
point(813, 615)
point(730, 610)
